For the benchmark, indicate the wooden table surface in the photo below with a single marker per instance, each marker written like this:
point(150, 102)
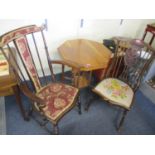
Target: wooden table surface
point(6, 84)
point(91, 55)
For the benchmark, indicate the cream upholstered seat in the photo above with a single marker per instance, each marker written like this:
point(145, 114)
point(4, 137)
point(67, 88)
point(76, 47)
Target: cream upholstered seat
point(116, 91)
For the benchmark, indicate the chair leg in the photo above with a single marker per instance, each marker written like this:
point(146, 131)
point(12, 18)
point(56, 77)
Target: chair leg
point(79, 104)
point(92, 99)
point(55, 129)
point(19, 102)
point(45, 121)
point(30, 112)
point(122, 120)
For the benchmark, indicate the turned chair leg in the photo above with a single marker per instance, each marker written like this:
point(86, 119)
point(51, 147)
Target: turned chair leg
point(30, 112)
point(79, 104)
point(45, 121)
point(122, 120)
point(55, 129)
point(19, 102)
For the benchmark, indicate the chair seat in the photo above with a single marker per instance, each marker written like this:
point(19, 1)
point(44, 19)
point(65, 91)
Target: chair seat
point(59, 98)
point(116, 91)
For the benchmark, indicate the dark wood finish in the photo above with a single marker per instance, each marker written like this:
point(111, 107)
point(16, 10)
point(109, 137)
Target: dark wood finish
point(37, 51)
point(150, 28)
point(122, 120)
point(56, 129)
point(101, 73)
point(134, 70)
point(136, 59)
point(79, 104)
point(28, 77)
point(117, 67)
point(134, 66)
point(118, 56)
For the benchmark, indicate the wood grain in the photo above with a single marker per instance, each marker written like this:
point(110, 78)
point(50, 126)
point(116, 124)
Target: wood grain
point(89, 54)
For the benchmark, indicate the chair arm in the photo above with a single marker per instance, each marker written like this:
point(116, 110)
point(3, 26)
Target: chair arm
point(76, 71)
point(24, 88)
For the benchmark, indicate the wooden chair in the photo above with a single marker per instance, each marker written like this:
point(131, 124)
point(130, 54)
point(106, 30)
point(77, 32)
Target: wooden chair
point(50, 99)
point(119, 89)
point(150, 28)
point(101, 73)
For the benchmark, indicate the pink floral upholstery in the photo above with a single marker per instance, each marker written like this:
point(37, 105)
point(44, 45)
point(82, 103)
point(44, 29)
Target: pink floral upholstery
point(116, 91)
point(19, 32)
point(26, 57)
point(59, 98)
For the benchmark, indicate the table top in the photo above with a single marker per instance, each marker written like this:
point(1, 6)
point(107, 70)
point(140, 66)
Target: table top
point(91, 55)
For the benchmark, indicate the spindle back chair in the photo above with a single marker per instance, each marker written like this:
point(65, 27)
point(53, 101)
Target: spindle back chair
point(33, 68)
point(119, 89)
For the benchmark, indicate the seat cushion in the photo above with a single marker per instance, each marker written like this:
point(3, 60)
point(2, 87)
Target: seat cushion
point(59, 98)
point(116, 91)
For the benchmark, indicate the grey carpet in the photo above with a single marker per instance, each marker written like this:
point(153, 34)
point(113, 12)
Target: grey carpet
point(99, 120)
point(148, 91)
point(2, 117)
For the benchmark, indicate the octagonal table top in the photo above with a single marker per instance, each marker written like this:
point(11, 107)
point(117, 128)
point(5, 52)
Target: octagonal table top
point(91, 55)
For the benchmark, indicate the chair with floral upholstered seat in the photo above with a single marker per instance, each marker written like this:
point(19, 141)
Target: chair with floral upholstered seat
point(34, 73)
point(119, 88)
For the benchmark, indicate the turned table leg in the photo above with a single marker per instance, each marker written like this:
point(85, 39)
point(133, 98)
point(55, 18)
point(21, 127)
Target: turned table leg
point(19, 102)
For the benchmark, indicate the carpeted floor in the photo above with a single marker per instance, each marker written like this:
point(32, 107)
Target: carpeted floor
point(99, 120)
point(148, 91)
point(2, 117)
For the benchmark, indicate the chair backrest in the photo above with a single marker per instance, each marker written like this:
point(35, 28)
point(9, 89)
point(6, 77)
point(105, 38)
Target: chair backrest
point(29, 54)
point(135, 56)
point(149, 29)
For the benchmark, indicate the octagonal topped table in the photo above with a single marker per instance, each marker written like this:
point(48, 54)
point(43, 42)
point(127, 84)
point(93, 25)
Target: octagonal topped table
point(88, 54)
point(91, 55)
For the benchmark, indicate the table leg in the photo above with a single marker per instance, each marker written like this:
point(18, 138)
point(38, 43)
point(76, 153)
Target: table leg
point(19, 102)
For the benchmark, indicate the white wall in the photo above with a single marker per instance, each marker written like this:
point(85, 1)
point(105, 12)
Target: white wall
point(58, 32)
point(99, 29)
point(64, 29)
point(10, 24)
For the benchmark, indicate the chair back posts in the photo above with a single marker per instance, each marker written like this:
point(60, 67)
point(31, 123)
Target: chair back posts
point(32, 52)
